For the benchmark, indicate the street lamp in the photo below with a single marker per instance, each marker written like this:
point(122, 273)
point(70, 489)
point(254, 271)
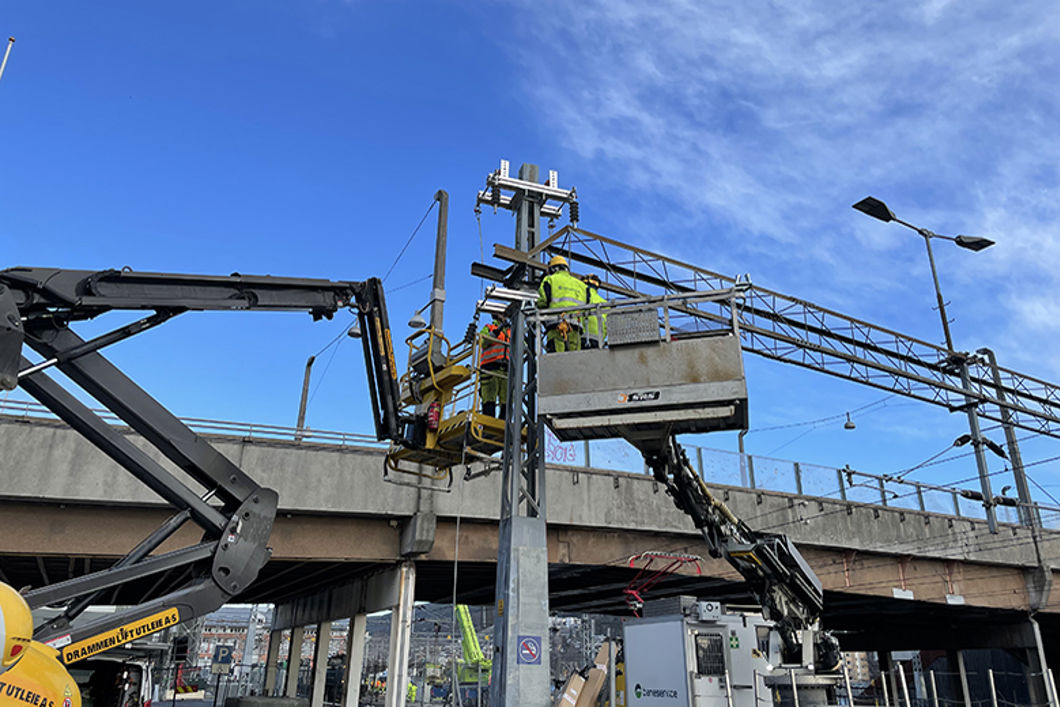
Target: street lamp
point(878, 210)
point(955, 361)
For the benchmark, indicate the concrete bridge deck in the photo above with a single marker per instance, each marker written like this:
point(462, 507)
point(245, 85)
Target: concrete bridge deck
point(67, 509)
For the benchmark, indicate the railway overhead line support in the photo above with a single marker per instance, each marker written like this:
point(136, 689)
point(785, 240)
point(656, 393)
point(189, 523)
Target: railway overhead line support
point(796, 331)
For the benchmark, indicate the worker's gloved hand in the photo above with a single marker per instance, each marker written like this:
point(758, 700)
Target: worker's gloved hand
point(564, 328)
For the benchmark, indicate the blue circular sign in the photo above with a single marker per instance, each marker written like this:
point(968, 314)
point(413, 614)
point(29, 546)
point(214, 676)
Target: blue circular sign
point(529, 650)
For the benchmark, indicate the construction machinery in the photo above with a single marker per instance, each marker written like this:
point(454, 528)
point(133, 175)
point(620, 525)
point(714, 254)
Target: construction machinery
point(665, 371)
point(39, 308)
point(656, 380)
point(690, 653)
point(439, 397)
point(473, 671)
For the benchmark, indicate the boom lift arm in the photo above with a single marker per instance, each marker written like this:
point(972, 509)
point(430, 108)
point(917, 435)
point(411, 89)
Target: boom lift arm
point(776, 573)
point(37, 306)
point(660, 378)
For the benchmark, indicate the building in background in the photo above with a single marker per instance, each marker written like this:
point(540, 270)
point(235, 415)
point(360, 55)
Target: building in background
point(245, 627)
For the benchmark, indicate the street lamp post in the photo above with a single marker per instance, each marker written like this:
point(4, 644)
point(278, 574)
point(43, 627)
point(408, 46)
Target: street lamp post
point(955, 362)
point(878, 210)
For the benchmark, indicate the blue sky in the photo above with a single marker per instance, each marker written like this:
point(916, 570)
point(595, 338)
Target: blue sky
point(307, 137)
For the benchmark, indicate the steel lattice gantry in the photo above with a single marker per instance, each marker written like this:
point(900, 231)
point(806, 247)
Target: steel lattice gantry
point(792, 330)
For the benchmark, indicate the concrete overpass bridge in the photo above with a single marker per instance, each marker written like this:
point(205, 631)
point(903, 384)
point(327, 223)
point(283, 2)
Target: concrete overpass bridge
point(907, 576)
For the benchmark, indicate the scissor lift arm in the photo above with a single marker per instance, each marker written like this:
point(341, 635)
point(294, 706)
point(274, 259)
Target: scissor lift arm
point(37, 306)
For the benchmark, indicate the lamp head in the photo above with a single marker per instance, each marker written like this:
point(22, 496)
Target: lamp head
point(417, 321)
point(973, 243)
point(875, 208)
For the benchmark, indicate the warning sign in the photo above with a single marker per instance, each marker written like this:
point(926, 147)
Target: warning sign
point(529, 650)
point(120, 636)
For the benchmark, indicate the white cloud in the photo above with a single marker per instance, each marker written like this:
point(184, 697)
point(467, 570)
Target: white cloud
point(761, 123)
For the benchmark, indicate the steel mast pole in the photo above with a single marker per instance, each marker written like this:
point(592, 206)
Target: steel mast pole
point(961, 360)
point(521, 636)
point(935, 277)
point(1028, 512)
point(7, 53)
point(438, 282)
point(304, 400)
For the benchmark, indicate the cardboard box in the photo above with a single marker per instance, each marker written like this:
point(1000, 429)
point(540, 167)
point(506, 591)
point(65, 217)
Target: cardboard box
point(593, 684)
point(603, 656)
point(571, 691)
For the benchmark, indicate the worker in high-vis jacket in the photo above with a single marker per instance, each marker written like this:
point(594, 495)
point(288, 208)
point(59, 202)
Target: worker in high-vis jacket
point(30, 672)
point(558, 290)
point(594, 323)
point(493, 366)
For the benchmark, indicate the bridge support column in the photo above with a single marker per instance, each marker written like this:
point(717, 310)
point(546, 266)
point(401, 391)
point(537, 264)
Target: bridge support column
point(397, 669)
point(1037, 667)
point(320, 664)
point(272, 662)
point(294, 661)
point(355, 659)
point(887, 674)
point(962, 673)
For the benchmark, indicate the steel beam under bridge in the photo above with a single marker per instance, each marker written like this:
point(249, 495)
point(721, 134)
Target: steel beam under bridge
point(50, 541)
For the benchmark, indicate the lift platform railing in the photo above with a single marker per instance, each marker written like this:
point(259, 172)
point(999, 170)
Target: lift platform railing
point(679, 315)
point(441, 391)
point(662, 371)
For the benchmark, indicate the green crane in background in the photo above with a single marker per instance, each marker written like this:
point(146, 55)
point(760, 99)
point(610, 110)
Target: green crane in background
point(475, 662)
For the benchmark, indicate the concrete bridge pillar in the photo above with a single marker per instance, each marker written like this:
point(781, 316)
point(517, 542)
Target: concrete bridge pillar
point(393, 589)
point(272, 662)
point(397, 669)
point(294, 660)
point(962, 677)
point(1037, 667)
point(355, 659)
point(887, 675)
point(320, 664)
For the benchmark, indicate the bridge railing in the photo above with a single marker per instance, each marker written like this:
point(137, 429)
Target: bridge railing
point(767, 473)
point(714, 465)
point(246, 430)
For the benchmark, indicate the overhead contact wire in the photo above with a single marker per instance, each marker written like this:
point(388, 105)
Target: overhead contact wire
point(409, 241)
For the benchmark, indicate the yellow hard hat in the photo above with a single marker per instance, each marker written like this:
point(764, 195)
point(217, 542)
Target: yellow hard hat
point(16, 626)
point(557, 260)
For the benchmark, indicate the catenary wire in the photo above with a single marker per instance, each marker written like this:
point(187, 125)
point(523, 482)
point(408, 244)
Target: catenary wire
point(822, 420)
point(409, 241)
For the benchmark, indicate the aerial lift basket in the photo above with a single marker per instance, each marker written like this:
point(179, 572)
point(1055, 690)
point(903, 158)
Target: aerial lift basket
point(441, 388)
point(658, 376)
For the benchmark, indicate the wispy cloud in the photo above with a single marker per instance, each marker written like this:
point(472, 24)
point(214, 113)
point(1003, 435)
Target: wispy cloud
point(754, 126)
